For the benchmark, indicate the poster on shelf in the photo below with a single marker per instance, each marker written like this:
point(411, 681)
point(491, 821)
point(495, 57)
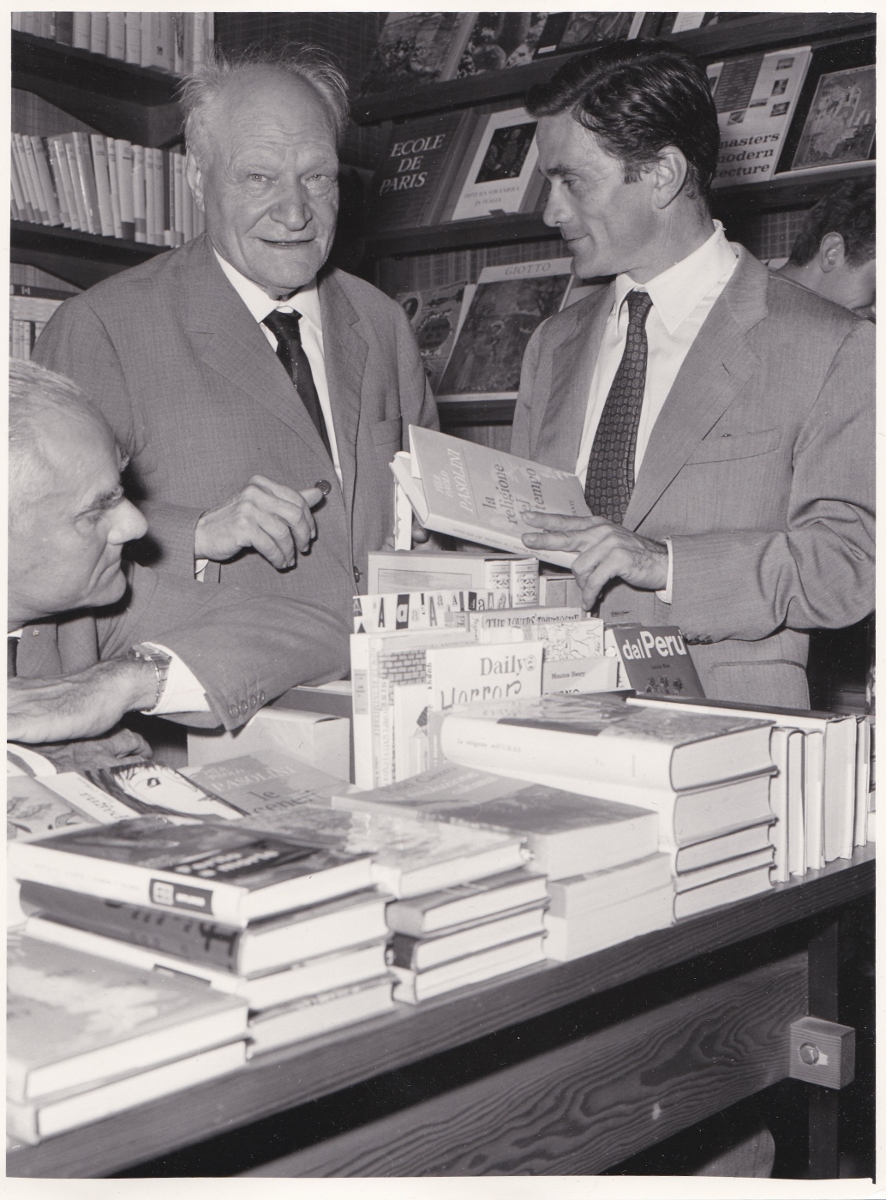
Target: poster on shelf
point(502, 177)
point(839, 127)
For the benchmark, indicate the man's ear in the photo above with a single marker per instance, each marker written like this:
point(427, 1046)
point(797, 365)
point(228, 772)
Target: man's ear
point(668, 175)
point(831, 252)
point(195, 180)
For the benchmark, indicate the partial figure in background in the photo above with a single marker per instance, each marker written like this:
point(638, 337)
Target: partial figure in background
point(835, 253)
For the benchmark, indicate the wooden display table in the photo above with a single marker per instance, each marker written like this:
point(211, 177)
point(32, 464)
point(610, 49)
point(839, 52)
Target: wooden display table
point(562, 1069)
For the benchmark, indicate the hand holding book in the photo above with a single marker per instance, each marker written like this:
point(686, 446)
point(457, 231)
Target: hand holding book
point(605, 551)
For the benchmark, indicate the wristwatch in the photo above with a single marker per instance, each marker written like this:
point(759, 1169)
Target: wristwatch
point(161, 663)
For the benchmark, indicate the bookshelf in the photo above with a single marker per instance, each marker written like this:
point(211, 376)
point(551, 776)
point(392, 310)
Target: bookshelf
point(80, 258)
point(408, 254)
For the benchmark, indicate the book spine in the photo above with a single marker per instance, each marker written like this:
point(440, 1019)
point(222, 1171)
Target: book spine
point(778, 799)
point(362, 716)
point(38, 200)
point(523, 583)
point(47, 186)
point(59, 182)
point(813, 800)
point(64, 28)
point(201, 942)
point(133, 38)
point(19, 210)
point(21, 191)
point(139, 194)
point(146, 48)
point(117, 35)
point(189, 207)
point(114, 183)
point(124, 186)
point(88, 181)
point(98, 32)
point(67, 140)
point(102, 183)
point(165, 48)
point(80, 30)
point(180, 189)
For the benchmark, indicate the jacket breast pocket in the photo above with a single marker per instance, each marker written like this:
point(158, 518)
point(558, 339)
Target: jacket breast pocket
point(386, 435)
point(725, 447)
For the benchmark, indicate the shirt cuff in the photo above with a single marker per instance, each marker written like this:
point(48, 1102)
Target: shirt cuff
point(199, 568)
point(183, 691)
point(665, 595)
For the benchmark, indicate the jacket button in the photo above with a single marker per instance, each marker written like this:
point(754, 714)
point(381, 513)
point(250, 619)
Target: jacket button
point(252, 701)
point(261, 697)
point(324, 485)
point(234, 710)
point(244, 707)
point(357, 575)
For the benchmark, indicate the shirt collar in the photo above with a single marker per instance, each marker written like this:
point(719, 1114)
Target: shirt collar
point(260, 304)
point(676, 291)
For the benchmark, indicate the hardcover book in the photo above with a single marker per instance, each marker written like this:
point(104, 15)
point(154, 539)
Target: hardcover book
point(416, 48)
point(581, 896)
point(466, 903)
point(480, 494)
point(755, 96)
point(435, 315)
point(73, 1019)
point(265, 945)
point(225, 871)
point(312, 1015)
point(270, 780)
point(501, 177)
point(410, 186)
point(568, 834)
point(409, 856)
point(722, 891)
point(509, 304)
point(414, 986)
point(608, 926)
point(500, 40)
point(422, 953)
point(602, 739)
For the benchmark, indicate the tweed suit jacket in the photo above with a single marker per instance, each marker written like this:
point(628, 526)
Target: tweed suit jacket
point(760, 469)
point(200, 401)
point(244, 649)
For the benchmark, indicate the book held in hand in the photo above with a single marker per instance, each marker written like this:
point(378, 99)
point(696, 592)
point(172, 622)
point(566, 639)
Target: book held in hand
point(226, 871)
point(481, 494)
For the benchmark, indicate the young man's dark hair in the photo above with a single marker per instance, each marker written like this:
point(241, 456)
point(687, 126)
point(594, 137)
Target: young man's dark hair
point(636, 98)
point(850, 210)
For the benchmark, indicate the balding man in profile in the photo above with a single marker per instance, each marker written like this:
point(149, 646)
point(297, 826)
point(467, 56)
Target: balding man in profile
point(239, 371)
point(89, 641)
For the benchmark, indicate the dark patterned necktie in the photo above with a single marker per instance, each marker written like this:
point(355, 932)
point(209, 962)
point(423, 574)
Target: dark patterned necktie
point(610, 478)
point(290, 351)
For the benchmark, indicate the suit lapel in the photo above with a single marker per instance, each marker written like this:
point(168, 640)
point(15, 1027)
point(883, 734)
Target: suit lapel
point(717, 366)
point(572, 366)
point(345, 351)
point(229, 341)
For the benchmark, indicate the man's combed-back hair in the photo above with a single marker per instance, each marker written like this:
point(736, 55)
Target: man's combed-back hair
point(636, 98)
point(850, 210)
point(36, 397)
point(199, 91)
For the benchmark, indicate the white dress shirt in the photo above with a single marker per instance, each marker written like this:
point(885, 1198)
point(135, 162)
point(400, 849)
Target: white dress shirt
point(682, 297)
point(307, 302)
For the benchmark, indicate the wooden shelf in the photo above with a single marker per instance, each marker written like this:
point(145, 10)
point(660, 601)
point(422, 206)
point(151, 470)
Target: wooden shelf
point(768, 31)
point(117, 98)
point(456, 413)
point(81, 258)
point(787, 191)
point(276, 1082)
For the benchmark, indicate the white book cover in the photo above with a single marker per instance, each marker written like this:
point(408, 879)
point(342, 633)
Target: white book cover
point(502, 168)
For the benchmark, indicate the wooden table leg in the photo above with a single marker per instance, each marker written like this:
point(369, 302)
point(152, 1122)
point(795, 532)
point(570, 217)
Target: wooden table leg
point(824, 1105)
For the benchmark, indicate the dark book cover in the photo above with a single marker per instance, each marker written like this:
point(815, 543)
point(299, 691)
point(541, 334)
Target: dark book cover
point(408, 185)
point(564, 32)
point(657, 660)
point(413, 48)
point(500, 40)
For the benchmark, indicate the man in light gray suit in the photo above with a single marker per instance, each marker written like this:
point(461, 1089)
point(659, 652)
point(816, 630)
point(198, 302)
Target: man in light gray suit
point(238, 372)
point(722, 416)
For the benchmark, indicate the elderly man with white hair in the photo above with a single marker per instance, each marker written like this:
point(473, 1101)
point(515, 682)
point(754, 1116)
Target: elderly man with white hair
point(248, 382)
point(89, 640)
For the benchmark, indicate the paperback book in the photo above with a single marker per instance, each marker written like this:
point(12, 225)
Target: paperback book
point(228, 872)
point(500, 40)
point(423, 953)
point(435, 316)
point(410, 186)
point(480, 494)
point(466, 903)
point(416, 48)
point(608, 926)
point(312, 1015)
point(513, 578)
point(657, 660)
point(414, 986)
point(502, 176)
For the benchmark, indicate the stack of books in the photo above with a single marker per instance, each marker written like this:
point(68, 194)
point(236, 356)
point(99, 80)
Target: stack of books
point(706, 774)
point(573, 839)
point(293, 929)
point(87, 1037)
point(103, 185)
point(176, 42)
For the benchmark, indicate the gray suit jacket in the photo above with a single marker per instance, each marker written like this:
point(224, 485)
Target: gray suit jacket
point(244, 649)
point(760, 469)
point(195, 393)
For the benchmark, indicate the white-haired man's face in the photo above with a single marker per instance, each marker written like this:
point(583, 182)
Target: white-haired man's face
point(269, 183)
point(68, 527)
